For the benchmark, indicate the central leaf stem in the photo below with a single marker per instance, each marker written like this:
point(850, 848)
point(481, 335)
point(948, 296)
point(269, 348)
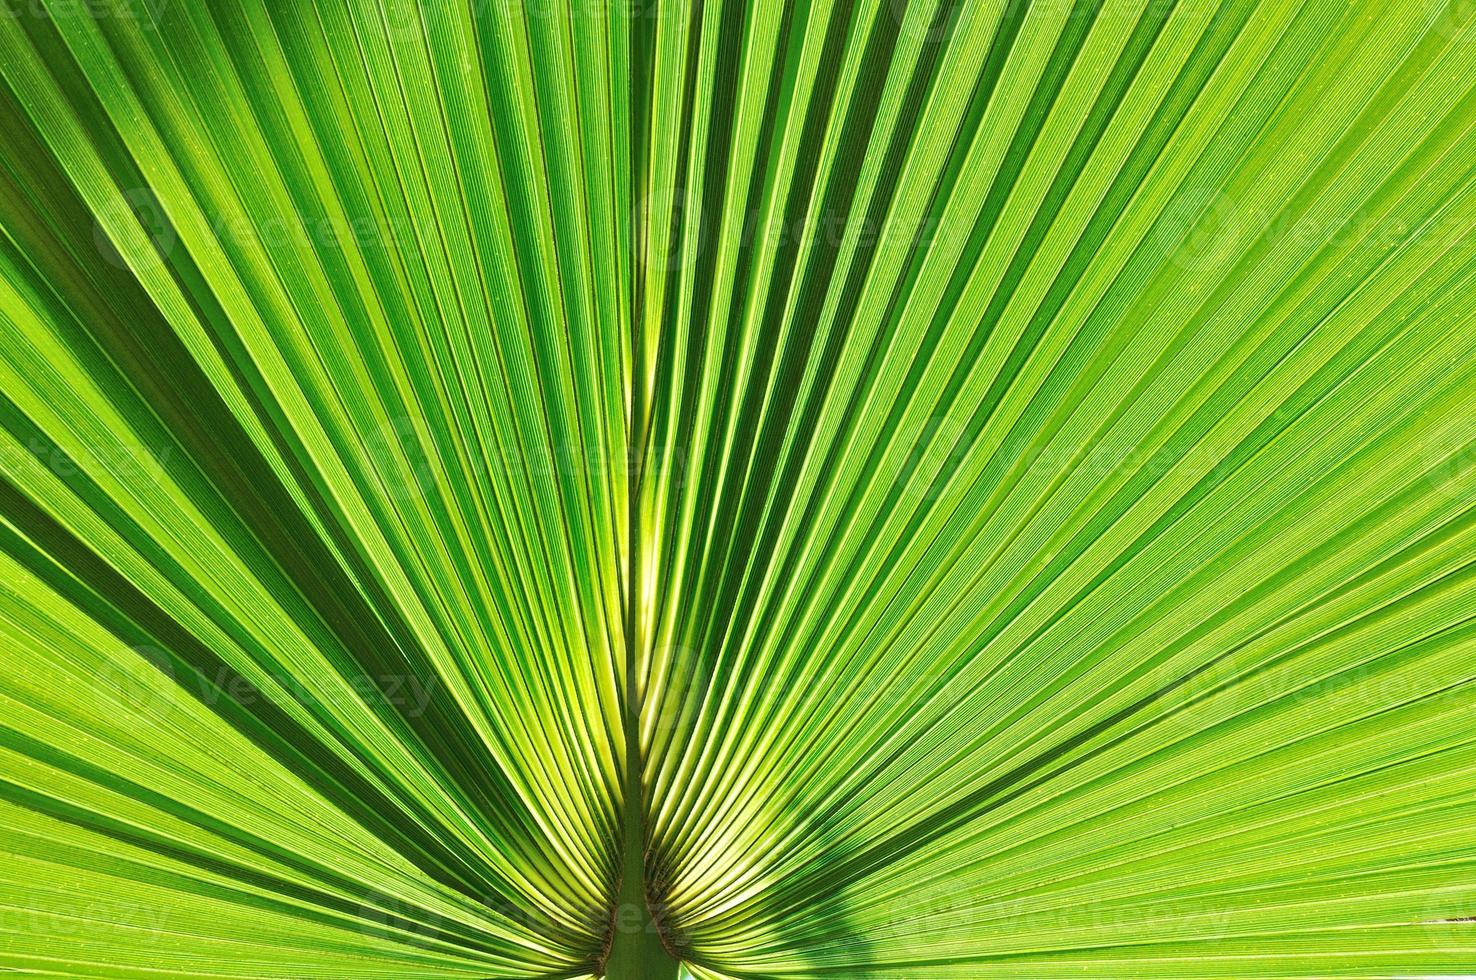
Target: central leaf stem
point(636, 950)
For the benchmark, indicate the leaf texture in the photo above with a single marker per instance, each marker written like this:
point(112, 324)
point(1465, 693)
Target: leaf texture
point(977, 489)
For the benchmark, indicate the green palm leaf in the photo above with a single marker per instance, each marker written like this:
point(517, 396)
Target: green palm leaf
point(825, 488)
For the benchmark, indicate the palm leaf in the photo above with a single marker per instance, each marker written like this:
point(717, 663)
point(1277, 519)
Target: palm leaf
point(821, 488)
